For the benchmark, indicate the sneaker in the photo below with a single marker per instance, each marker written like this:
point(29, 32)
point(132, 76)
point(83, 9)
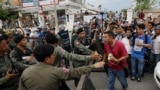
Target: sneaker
point(138, 79)
point(132, 78)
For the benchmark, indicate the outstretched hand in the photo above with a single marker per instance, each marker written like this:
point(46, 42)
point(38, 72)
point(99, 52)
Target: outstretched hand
point(96, 56)
point(99, 64)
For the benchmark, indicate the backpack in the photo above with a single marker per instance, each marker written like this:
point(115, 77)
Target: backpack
point(148, 64)
point(145, 41)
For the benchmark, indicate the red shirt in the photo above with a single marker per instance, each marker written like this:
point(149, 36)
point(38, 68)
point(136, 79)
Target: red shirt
point(118, 50)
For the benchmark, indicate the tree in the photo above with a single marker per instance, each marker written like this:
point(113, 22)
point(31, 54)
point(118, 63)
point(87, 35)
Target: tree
point(124, 12)
point(6, 13)
point(2, 1)
point(144, 4)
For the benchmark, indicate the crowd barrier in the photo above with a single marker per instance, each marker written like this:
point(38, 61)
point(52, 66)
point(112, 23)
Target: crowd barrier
point(85, 83)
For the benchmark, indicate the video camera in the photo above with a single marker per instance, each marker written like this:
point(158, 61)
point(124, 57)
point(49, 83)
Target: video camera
point(11, 71)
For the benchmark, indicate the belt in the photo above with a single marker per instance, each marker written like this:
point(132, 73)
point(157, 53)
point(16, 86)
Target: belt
point(6, 87)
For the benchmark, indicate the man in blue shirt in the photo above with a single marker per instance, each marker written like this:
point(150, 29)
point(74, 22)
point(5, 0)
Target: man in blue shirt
point(141, 43)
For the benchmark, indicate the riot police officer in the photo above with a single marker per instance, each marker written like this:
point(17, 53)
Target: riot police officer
point(8, 68)
point(81, 46)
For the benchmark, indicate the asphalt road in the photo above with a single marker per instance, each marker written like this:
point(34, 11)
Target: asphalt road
point(99, 80)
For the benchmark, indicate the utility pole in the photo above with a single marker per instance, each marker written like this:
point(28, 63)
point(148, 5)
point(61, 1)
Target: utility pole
point(56, 19)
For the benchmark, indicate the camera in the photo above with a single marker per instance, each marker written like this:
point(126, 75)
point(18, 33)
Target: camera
point(15, 71)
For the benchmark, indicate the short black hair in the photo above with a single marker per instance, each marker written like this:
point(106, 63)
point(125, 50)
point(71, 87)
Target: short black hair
point(152, 24)
point(43, 51)
point(110, 33)
point(51, 38)
point(1, 38)
point(53, 28)
point(129, 29)
point(142, 26)
point(18, 38)
point(5, 36)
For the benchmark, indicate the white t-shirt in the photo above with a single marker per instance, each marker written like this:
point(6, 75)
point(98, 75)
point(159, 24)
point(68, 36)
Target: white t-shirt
point(33, 35)
point(138, 48)
point(156, 45)
point(127, 45)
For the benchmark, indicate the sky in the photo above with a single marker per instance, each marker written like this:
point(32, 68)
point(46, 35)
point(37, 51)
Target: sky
point(114, 5)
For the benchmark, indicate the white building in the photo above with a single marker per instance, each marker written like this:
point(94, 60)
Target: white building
point(47, 11)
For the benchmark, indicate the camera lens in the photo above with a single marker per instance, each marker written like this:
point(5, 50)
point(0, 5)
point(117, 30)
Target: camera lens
point(10, 71)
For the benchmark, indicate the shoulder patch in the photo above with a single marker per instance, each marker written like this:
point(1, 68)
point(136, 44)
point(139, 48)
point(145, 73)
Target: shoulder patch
point(77, 42)
point(62, 50)
point(65, 70)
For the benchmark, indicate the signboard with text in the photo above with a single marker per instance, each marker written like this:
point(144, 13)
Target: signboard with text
point(32, 3)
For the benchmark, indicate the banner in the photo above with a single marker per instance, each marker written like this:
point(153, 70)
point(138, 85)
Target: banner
point(32, 3)
point(15, 3)
point(36, 3)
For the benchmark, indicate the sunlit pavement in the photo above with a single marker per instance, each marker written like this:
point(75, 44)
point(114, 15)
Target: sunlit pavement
point(99, 80)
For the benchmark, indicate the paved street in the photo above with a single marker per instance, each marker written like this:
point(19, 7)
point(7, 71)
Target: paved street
point(99, 80)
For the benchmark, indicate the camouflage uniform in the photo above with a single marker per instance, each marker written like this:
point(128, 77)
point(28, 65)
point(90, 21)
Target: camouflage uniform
point(81, 47)
point(7, 64)
point(50, 77)
point(61, 53)
point(11, 45)
point(18, 55)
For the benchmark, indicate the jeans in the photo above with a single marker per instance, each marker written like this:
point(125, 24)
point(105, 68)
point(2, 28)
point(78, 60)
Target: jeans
point(137, 64)
point(112, 74)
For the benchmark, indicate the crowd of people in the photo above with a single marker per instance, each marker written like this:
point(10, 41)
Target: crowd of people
point(141, 39)
point(16, 59)
point(114, 44)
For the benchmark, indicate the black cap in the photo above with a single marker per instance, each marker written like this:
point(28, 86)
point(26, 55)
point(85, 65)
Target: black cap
point(18, 38)
point(79, 30)
point(43, 51)
point(51, 38)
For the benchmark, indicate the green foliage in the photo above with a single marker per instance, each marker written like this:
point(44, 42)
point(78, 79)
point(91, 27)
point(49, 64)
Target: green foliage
point(144, 4)
point(3, 14)
point(124, 10)
point(2, 1)
point(7, 14)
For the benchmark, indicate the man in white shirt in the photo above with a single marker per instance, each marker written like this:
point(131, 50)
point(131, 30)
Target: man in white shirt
point(127, 43)
point(155, 56)
point(119, 32)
